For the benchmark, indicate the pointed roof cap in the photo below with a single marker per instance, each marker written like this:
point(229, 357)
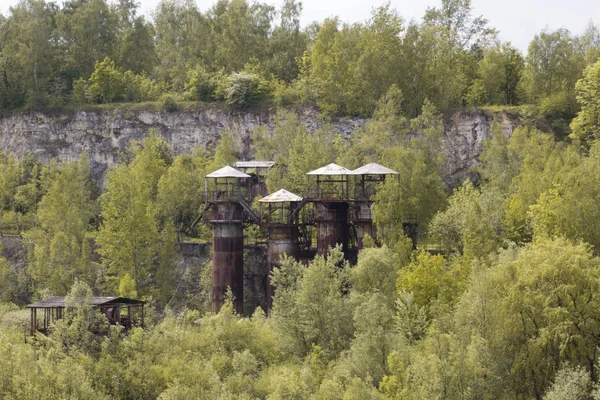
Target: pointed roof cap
point(280, 196)
point(373, 169)
point(227, 172)
point(330, 169)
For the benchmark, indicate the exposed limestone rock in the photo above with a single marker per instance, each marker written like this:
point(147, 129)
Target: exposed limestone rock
point(465, 132)
point(104, 134)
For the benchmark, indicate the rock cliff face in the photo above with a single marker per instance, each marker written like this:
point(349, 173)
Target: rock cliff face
point(464, 134)
point(103, 134)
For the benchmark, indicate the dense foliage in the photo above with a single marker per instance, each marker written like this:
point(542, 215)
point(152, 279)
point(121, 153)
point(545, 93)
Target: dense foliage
point(240, 52)
point(509, 309)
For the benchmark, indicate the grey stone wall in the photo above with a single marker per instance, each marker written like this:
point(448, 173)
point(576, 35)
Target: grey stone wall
point(104, 134)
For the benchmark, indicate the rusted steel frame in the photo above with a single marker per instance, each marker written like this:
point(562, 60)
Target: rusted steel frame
point(332, 226)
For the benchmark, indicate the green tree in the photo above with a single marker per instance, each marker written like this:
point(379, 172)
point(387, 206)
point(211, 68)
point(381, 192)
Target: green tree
point(570, 383)
point(106, 83)
point(586, 126)
point(287, 43)
point(500, 70)
point(554, 64)
point(88, 34)
point(130, 239)
point(473, 222)
point(181, 189)
point(61, 251)
point(568, 208)
point(29, 58)
point(309, 306)
point(535, 309)
point(418, 192)
point(134, 37)
point(179, 28)
point(240, 31)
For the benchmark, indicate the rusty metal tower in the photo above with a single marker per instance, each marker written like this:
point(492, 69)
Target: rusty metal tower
point(280, 214)
point(258, 171)
point(330, 195)
point(367, 179)
point(224, 191)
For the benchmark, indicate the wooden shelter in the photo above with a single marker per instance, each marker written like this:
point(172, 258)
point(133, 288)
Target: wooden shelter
point(118, 311)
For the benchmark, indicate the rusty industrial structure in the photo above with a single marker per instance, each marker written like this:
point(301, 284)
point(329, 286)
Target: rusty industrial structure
point(334, 210)
point(118, 311)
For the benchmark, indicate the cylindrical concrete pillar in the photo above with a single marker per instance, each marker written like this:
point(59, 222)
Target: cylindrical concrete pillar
point(282, 240)
point(227, 255)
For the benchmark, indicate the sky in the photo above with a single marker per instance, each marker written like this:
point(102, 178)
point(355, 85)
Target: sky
point(517, 20)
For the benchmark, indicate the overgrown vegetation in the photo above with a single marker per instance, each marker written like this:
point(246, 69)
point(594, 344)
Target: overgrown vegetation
point(509, 310)
point(242, 53)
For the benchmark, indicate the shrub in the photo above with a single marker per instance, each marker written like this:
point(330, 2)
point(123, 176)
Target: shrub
point(284, 94)
point(106, 82)
point(140, 88)
point(81, 93)
point(244, 88)
point(202, 84)
point(168, 102)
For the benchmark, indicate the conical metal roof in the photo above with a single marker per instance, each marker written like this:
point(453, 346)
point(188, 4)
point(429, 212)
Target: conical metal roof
point(373, 169)
point(227, 172)
point(280, 196)
point(330, 169)
point(254, 164)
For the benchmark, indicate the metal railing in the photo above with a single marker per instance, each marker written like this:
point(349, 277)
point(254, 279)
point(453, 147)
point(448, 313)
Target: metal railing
point(233, 194)
point(313, 193)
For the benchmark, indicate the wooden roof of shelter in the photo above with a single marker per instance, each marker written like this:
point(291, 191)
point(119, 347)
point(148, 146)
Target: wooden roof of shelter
point(227, 172)
point(281, 196)
point(254, 164)
point(60, 301)
point(373, 169)
point(330, 169)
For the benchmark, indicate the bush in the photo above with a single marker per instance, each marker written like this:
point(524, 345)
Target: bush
point(140, 88)
point(81, 93)
point(558, 105)
point(244, 89)
point(168, 103)
point(106, 82)
point(477, 94)
point(202, 85)
point(284, 95)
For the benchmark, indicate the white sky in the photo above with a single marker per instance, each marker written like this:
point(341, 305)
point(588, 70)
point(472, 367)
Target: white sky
point(517, 20)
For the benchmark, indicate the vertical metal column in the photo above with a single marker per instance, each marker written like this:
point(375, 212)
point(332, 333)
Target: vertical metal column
point(227, 255)
point(332, 226)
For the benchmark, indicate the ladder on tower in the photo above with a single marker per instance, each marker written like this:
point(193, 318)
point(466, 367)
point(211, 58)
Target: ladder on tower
point(249, 210)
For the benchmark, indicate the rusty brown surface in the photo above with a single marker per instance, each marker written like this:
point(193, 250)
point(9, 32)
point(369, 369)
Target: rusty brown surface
point(228, 255)
point(227, 211)
point(362, 228)
point(332, 226)
point(364, 224)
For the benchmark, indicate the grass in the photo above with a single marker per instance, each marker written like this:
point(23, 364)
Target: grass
point(152, 106)
point(508, 109)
